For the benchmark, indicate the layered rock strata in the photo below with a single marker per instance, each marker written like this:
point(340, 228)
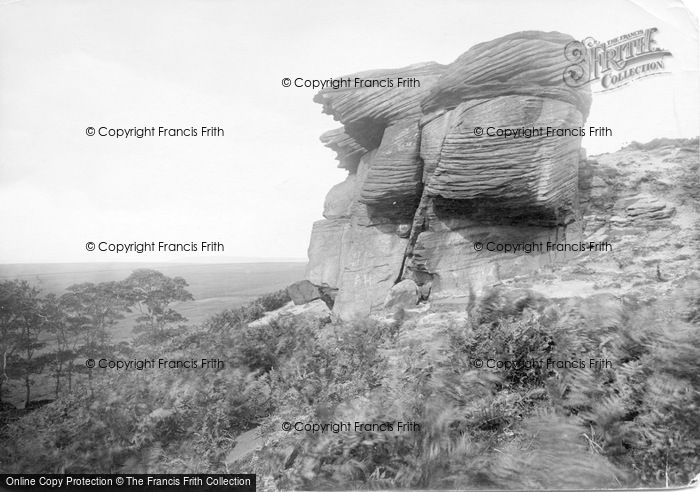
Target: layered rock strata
point(427, 185)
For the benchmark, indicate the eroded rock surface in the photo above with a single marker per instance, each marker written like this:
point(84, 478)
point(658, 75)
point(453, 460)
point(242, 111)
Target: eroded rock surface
point(426, 185)
point(642, 200)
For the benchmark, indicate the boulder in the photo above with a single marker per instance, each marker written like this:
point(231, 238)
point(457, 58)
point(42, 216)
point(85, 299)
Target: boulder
point(316, 310)
point(303, 292)
point(403, 230)
point(403, 295)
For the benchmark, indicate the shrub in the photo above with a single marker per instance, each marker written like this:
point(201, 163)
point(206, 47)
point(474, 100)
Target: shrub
point(643, 411)
point(634, 422)
point(275, 300)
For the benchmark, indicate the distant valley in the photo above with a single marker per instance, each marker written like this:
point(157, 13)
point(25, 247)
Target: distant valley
point(215, 287)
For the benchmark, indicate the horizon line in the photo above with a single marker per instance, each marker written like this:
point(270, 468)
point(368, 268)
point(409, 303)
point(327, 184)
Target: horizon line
point(221, 261)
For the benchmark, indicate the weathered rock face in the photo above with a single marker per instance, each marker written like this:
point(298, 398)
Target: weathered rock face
point(426, 186)
point(520, 177)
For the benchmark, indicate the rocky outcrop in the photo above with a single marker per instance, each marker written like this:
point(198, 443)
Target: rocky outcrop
point(428, 183)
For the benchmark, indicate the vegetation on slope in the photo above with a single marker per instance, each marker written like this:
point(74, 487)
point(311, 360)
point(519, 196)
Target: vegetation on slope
point(630, 422)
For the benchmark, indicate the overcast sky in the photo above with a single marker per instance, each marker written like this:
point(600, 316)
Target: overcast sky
point(66, 65)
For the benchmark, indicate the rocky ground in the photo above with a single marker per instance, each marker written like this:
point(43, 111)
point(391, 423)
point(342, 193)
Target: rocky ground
point(644, 200)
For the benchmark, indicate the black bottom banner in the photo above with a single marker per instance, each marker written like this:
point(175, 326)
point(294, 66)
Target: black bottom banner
point(128, 482)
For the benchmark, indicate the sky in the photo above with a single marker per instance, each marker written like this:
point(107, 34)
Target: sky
point(71, 64)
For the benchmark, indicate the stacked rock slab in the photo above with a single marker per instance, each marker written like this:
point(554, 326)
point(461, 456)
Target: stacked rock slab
point(424, 186)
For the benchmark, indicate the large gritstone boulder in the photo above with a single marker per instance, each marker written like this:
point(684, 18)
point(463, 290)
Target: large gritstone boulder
point(433, 173)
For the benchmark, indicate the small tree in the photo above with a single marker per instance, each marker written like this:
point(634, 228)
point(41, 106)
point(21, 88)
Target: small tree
point(9, 329)
point(20, 324)
point(91, 310)
point(153, 293)
point(65, 337)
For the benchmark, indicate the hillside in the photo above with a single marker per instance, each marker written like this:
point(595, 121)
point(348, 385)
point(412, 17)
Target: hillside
point(479, 311)
point(582, 374)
